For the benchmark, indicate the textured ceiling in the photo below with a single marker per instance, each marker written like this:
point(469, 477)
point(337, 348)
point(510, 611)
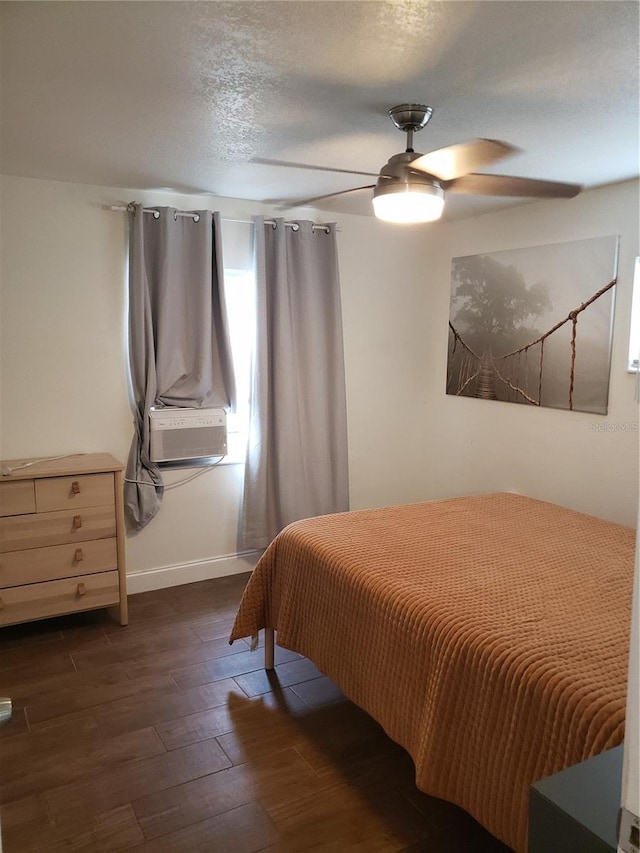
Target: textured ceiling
point(183, 95)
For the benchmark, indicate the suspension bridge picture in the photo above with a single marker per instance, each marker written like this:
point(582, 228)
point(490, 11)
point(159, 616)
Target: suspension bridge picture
point(533, 326)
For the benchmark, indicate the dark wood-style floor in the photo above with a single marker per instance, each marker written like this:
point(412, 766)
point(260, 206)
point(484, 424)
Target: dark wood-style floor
point(160, 737)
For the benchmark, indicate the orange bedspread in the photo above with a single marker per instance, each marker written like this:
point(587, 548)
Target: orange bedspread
point(488, 635)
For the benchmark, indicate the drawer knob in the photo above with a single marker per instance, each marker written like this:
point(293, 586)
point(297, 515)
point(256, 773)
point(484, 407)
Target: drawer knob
point(82, 590)
point(77, 521)
point(78, 557)
point(75, 487)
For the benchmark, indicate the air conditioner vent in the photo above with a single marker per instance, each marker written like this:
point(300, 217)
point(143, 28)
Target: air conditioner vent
point(178, 434)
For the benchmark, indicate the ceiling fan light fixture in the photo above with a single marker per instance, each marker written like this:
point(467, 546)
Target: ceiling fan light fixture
point(408, 202)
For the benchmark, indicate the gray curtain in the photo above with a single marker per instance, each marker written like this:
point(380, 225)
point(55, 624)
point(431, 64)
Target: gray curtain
point(297, 452)
point(179, 349)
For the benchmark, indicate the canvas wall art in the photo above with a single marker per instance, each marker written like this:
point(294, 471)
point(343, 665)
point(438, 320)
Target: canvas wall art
point(533, 326)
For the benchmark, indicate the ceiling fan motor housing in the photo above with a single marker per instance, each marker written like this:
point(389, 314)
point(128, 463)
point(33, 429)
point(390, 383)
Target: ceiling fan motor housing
point(410, 116)
point(398, 172)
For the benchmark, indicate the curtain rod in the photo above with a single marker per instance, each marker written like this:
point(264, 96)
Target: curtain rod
point(322, 226)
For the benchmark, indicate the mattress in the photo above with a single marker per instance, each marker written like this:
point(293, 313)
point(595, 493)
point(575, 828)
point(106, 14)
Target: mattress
point(488, 635)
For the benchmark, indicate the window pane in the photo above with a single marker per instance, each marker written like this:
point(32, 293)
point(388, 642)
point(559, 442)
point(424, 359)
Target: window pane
point(240, 300)
point(634, 336)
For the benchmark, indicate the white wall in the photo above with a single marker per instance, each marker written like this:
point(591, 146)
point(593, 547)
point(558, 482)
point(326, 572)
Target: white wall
point(63, 371)
point(388, 286)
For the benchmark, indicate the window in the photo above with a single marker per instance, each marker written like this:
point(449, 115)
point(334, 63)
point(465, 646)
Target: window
point(634, 335)
point(240, 301)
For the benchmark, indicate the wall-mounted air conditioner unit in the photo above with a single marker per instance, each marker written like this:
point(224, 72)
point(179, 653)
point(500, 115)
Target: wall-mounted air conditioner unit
point(187, 434)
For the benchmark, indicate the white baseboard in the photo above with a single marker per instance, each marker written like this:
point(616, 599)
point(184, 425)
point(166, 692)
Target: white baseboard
point(197, 570)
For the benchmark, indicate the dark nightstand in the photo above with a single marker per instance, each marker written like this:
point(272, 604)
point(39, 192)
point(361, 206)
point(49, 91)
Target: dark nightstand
point(576, 810)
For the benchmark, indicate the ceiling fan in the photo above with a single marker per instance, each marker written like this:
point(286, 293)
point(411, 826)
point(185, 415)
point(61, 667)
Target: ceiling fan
point(411, 186)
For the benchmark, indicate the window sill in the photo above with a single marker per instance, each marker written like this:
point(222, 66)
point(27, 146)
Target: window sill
point(205, 462)
point(231, 460)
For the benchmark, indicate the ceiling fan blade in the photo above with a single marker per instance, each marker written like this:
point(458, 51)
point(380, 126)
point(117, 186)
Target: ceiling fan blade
point(457, 160)
point(265, 161)
point(302, 202)
point(504, 185)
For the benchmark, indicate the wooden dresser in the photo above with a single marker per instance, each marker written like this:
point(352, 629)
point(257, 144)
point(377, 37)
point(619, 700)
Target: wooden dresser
point(61, 537)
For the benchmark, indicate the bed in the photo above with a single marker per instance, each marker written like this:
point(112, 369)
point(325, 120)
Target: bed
point(488, 635)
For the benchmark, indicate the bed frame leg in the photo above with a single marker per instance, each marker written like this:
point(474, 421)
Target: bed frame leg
point(268, 648)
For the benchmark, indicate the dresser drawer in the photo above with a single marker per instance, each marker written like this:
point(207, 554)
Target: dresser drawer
point(41, 600)
point(84, 490)
point(35, 565)
point(56, 528)
point(17, 497)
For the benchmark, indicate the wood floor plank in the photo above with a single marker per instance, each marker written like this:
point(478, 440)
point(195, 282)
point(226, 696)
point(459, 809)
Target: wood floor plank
point(238, 712)
point(316, 822)
point(339, 725)
point(53, 740)
point(36, 689)
point(283, 778)
point(342, 740)
point(319, 692)
point(21, 819)
point(377, 844)
point(368, 845)
point(74, 760)
point(136, 777)
point(111, 831)
point(87, 624)
point(168, 617)
point(213, 629)
point(31, 671)
point(18, 723)
point(115, 830)
point(29, 634)
point(227, 667)
point(146, 609)
point(263, 681)
point(216, 594)
point(13, 659)
point(143, 627)
point(87, 627)
point(245, 829)
point(139, 711)
point(176, 659)
point(72, 699)
point(171, 637)
point(263, 726)
point(194, 728)
point(453, 823)
point(125, 648)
